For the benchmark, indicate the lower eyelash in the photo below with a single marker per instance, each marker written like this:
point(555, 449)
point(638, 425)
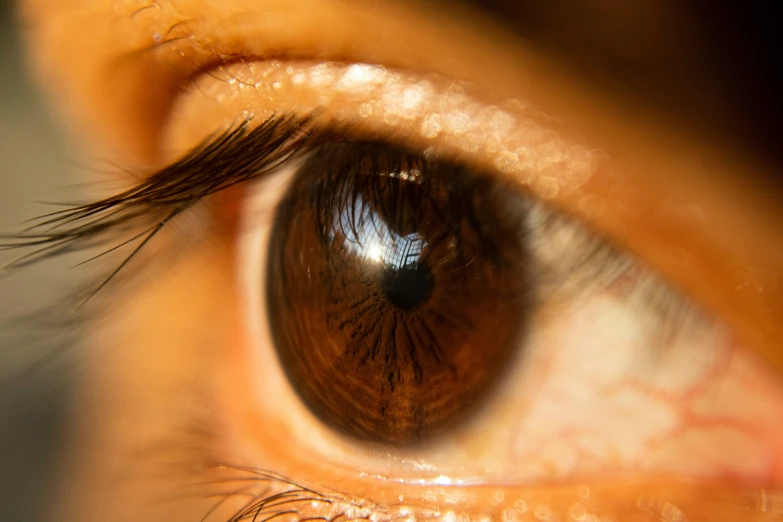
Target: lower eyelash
point(192, 458)
point(279, 497)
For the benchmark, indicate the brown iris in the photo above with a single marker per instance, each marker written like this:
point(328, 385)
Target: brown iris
point(397, 289)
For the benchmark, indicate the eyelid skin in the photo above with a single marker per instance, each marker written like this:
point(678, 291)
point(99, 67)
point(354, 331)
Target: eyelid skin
point(662, 203)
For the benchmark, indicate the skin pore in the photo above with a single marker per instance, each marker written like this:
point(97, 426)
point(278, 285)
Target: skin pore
point(167, 391)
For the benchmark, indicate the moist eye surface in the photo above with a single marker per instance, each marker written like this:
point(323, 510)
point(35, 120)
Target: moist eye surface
point(398, 289)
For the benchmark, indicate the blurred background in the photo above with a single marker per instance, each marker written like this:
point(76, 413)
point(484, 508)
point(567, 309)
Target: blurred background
point(33, 163)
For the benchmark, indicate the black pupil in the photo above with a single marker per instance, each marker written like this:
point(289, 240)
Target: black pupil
point(407, 286)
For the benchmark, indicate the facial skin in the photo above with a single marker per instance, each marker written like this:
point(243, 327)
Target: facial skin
point(166, 384)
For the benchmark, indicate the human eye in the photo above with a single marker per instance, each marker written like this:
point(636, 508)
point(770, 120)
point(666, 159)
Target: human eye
point(598, 389)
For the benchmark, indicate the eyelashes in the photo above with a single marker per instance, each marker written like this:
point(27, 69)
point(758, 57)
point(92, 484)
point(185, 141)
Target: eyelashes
point(190, 463)
point(138, 214)
point(278, 497)
point(271, 496)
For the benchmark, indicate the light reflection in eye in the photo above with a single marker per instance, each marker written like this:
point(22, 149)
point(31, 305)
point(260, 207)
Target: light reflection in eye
point(369, 236)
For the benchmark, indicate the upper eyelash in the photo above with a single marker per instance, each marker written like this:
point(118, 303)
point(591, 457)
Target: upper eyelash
point(219, 162)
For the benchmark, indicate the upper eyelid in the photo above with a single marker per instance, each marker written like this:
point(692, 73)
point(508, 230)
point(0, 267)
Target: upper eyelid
point(508, 137)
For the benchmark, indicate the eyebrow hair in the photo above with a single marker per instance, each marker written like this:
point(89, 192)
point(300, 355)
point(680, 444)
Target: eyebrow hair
point(705, 64)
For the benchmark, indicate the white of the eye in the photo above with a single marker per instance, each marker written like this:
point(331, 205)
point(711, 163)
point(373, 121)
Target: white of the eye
point(607, 391)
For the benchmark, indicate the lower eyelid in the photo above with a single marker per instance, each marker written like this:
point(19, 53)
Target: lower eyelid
point(633, 499)
point(428, 111)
